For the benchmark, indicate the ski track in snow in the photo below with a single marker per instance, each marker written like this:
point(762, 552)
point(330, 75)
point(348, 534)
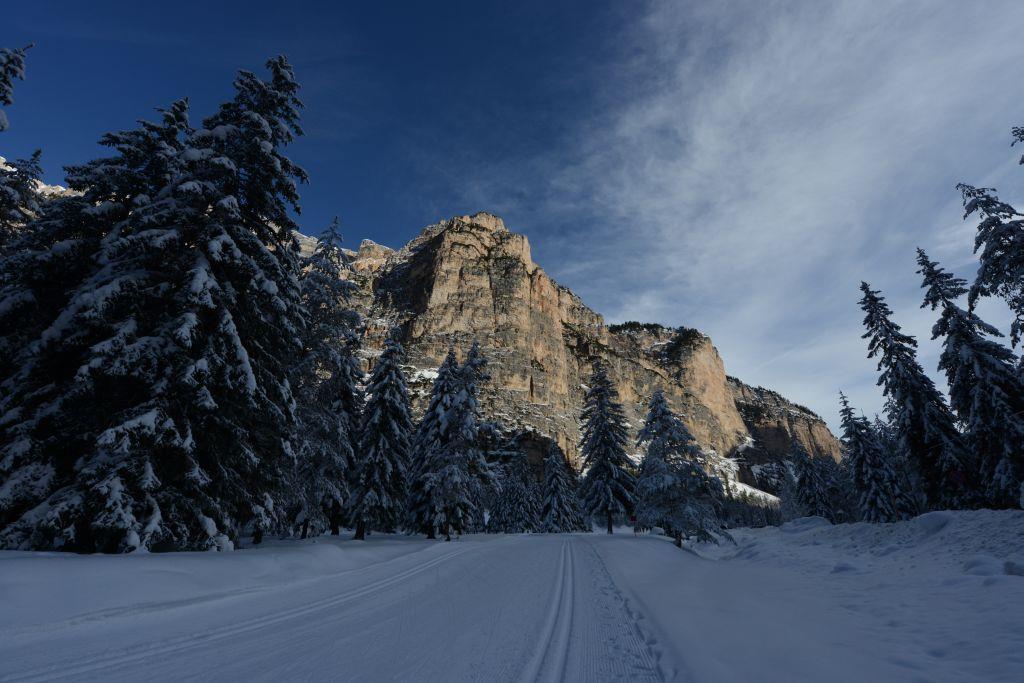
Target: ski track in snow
point(578, 626)
point(939, 599)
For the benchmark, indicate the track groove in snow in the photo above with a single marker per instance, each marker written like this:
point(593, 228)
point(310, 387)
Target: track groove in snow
point(618, 650)
point(548, 661)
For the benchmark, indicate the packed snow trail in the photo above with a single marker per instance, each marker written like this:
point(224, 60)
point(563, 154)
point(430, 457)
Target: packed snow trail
point(939, 598)
point(489, 608)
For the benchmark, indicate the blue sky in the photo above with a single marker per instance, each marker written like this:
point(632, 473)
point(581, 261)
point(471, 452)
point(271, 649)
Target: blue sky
point(737, 167)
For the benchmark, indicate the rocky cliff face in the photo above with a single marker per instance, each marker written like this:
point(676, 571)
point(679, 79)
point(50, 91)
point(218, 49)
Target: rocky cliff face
point(470, 278)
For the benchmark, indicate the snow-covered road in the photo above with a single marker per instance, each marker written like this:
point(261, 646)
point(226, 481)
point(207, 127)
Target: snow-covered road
point(940, 598)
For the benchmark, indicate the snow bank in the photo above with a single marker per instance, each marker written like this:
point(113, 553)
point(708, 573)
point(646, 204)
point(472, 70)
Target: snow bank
point(936, 598)
point(46, 588)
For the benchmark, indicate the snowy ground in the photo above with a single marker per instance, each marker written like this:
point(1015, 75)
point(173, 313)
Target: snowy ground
point(939, 598)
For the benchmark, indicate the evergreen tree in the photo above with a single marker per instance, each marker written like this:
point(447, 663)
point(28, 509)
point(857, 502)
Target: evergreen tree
point(65, 387)
point(19, 197)
point(652, 483)
point(516, 507)
point(790, 507)
point(154, 408)
point(925, 426)
point(999, 243)
point(667, 441)
point(387, 428)
point(474, 373)
point(560, 512)
point(451, 483)
point(985, 388)
point(878, 496)
point(327, 402)
point(443, 487)
point(815, 487)
point(673, 490)
point(906, 473)
point(694, 504)
point(608, 486)
point(12, 66)
point(663, 429)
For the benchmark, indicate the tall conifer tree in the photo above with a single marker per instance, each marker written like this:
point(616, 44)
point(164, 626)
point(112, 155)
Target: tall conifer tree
point(879, 498)
point(985, 387)
point(924, 424)
point(165, 418)
point(560, 511)
point(430, 447)
point(327, 403)
point(608, 485)
point(381, 489)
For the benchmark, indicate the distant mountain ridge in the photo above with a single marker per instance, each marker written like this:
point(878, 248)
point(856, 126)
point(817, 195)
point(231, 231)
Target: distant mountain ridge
point(470, 278)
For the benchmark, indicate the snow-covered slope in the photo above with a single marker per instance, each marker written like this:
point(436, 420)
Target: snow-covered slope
point(938, 598)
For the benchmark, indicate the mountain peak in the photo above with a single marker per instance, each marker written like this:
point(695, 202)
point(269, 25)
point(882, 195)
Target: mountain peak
point(485, 219)
point(469, 278)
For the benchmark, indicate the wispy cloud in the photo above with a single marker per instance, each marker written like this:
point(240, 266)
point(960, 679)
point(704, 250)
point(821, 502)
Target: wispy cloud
point(753, 162)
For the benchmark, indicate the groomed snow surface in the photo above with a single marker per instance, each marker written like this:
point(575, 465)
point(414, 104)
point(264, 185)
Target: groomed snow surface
point(938, 598)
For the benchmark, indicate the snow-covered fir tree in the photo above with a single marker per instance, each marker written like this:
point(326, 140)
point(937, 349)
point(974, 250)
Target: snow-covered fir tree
point(608, 485)
point(694, 504)
point(652, 482)
point(879, 498)
point(324, 385)
point(789, 502)
point(666, 440)
point(663, 429)
point(381, 489)
point(72, 346)
point(474, 373)
point(19, 196)
point(445, 486)
point(451, 485)
point(926, 427)
point(673, 490)
point(12, 67)
point(986, 388)
point(153, 408)
point(431, 433)
point(561, 511)
point(816, 486)
point(999, 243)
point(517, 507)
point(905, 471)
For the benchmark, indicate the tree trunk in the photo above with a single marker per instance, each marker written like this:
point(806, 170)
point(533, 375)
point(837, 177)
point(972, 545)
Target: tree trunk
point(257, 535)
point(360, 531)
point(305, 528)
point(447, 531)
point(430, 533)
point(679, 540)
point(609, 518)
point(335, 518)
